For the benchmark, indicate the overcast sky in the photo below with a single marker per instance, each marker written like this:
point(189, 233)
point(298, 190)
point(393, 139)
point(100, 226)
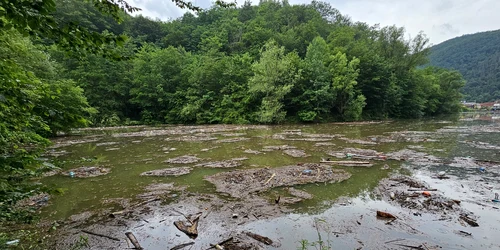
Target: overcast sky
point(440, 20)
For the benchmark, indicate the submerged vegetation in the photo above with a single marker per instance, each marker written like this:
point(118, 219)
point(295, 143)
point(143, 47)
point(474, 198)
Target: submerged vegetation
point(67, 64)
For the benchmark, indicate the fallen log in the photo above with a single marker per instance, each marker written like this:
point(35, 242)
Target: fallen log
point(421, 189)
point(192, 230)
point(129, 209)
point(133, 240)
point(101, 235)
point(350, 163)
point(346, 162)
point(218, 245)
point(181, 246)
point(385, 215)
point(260, 238)
point(469, 221)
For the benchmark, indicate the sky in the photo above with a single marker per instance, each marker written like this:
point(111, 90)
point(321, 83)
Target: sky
point(440, 20)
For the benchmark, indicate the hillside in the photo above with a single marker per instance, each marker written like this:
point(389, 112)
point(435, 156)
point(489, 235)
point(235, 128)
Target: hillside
point(477, 57)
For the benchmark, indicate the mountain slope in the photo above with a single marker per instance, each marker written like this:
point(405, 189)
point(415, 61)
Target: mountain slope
point(477, 57)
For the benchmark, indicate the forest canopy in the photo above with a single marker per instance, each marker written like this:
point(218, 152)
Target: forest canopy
point(269, 63)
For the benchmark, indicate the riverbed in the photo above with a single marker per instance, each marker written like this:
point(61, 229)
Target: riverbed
point(237, 178)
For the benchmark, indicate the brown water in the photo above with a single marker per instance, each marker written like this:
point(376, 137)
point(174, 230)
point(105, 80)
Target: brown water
point(132, 151)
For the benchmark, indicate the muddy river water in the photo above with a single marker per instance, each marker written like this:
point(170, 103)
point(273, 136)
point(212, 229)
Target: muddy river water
point(239, 178)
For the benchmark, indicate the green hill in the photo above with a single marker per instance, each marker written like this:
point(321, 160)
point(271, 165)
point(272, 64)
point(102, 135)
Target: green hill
point(477, 57)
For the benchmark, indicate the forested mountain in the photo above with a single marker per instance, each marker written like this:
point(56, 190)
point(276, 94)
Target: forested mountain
point(268, 63)
point(477, 57)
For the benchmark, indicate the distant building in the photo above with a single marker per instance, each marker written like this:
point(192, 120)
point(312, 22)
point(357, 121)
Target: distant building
point(491, 105)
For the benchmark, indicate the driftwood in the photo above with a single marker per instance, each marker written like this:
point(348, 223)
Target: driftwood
point(350, 163)
point(181, 246)
point(191, 230)
point(129, 209)
point(421, 189)
point(218, 245)
point(133, 240)
point(272, 176)
point(412, 247)
point(101, 235)
point(469, 221)
point(385, 215)
point(260, 238)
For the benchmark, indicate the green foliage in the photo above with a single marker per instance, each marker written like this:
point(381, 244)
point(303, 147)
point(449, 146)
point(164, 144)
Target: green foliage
point(477, 58)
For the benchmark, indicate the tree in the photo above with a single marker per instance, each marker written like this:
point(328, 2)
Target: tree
point(274, 76)
point(347, 101)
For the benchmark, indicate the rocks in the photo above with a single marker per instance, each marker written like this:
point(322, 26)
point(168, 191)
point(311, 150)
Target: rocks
point(185, 159)
point(243, 182)
point(176, 171)
point(86, 172)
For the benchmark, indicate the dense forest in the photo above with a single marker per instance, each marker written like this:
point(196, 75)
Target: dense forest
point(477, 57)
point(73, 63)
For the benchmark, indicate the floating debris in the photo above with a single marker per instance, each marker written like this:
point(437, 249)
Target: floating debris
point(86, 172)
point(185, 159)
point(177, 171)
point(243, 182)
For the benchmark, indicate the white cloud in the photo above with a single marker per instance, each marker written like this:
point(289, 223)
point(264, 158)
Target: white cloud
point(438, 19)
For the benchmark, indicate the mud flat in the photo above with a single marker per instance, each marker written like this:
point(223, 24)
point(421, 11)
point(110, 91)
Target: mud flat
point(243, 182)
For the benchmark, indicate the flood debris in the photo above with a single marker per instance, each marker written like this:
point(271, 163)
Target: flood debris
point(185, 159)
point(322, 144)
point(472, 222)
point(232, 163)
point(385, 215)
point(35, 201)
point(358, 153)
point(299, 136)
point(243, 182)
point(481, 145)
point(416, 158)
point(86, 172)
point(260, 238)
point(299, 193)
point(156, 190)
point(297, 153)
point(133, 240)
point(208, 149)
point(100, 235)
point(237, 139)
point(190, 228)
point(192, 138)
point(348, 163)
point(273, 148)
point(175, 171)
point(250, 151)
point(181, 246)
point(358, 141)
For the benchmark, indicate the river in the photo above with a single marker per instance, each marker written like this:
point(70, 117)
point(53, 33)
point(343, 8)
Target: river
point(341, 215)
